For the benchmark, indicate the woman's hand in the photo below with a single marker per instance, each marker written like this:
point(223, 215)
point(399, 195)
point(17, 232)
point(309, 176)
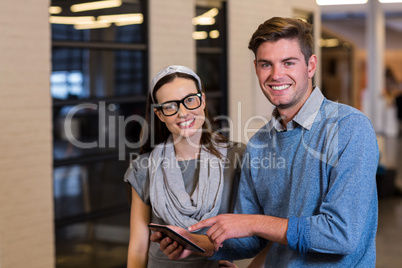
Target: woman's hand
point(171, 248)
point(227, 264)
point(175, 251)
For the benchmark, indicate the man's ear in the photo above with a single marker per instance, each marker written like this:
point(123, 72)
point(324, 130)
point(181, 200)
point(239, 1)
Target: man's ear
point(159, 114)
point(255, 65)
point(312, 66)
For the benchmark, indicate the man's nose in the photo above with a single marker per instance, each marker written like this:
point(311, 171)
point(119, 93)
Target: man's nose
point(277, 72)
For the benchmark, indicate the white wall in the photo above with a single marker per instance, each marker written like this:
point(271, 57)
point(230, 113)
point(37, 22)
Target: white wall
point(170, 34)
point(26, 201)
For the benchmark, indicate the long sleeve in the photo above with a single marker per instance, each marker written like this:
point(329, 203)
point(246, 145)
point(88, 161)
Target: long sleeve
point(341, 221)
point(247, 203)
point(322, 179)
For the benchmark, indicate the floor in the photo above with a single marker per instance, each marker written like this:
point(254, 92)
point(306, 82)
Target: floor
point(108, 244)
point(389, 233)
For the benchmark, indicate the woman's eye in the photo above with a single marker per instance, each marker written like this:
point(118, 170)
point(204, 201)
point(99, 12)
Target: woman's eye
point(190, 100)
point(171, 106)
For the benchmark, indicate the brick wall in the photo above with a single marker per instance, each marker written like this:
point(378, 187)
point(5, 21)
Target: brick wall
point(26, 203)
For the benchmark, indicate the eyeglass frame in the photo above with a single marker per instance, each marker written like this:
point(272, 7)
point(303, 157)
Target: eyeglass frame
point(178, 102)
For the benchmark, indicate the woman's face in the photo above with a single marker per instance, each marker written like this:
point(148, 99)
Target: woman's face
point(185, 123)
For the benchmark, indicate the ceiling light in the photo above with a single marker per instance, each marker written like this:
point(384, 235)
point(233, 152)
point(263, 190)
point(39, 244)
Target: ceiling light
point(210, 13)
point(70, 20)
point(55, 10)
point(332, 42)
point(128, 22)
point(203, 21)
point(130, 18)
point(340, 2)
point(207, 18)
point(200, 35)
point(390, 1)
point(214, 34)
point(95, 5)
point(92, 25)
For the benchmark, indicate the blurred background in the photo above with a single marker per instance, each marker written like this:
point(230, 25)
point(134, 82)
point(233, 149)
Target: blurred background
point(74, 81)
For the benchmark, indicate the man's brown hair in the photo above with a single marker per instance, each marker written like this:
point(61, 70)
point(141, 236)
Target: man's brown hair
point(278, 28)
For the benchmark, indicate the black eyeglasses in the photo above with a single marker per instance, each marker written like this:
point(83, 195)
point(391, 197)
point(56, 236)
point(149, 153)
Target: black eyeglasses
point(191, 102)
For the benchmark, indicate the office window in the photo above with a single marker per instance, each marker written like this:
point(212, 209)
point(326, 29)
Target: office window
point(99, 80)
point(211, 46)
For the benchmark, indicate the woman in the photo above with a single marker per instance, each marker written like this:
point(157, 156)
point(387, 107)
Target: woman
point(191, 174)
point(392, 113)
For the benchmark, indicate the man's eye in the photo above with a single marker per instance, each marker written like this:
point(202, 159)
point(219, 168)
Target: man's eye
point(289, 63)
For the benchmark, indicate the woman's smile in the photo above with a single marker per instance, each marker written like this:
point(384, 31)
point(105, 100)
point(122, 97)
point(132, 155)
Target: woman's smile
point(187, 123)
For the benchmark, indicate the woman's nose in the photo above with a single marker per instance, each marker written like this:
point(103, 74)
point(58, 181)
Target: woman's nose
point(182, 110)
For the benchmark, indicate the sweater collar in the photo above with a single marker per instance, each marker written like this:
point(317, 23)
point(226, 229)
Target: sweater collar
point(305, 117)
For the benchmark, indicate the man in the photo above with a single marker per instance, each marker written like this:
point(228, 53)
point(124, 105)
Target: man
point(318, 204)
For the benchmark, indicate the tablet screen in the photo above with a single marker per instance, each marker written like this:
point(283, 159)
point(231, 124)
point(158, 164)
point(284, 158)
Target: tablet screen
point(187, 244)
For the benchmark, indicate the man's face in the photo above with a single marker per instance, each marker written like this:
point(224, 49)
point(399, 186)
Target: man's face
point(283, 75)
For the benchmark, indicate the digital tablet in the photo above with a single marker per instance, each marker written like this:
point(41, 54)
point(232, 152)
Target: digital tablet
point(165, 230)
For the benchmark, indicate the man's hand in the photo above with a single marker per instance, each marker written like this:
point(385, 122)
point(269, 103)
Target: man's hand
point(226, 226)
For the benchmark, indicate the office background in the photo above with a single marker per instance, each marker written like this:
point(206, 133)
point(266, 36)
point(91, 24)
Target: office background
point(63, 207)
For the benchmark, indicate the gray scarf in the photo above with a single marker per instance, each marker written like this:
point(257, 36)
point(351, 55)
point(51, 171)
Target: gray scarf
point(168, 195)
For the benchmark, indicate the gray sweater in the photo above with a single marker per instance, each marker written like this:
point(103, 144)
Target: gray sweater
point(138, 177)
